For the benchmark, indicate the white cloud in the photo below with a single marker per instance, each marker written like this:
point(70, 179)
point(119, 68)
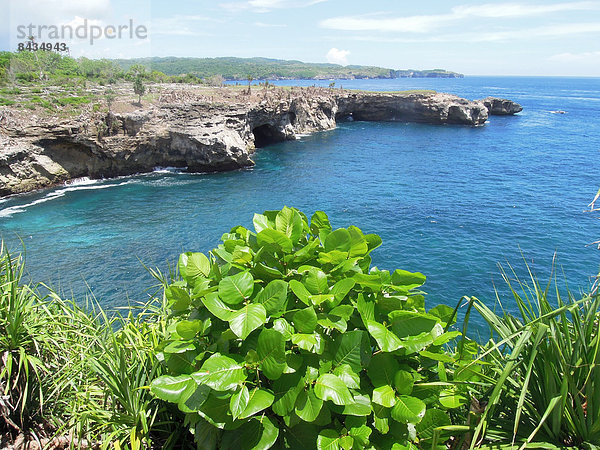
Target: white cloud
point(521, 10)
point(336, 56)
point(555, 31)
point(412, 24)
point(263, 6)
point(576, 57)
point(428, 23)
point(269, 25)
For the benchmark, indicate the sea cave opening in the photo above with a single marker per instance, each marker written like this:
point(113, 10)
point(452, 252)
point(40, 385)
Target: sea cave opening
point(265, 135)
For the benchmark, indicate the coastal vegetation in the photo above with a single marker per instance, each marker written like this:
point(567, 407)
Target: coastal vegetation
point(285, 336)
point(48, 66)
point(268, 69)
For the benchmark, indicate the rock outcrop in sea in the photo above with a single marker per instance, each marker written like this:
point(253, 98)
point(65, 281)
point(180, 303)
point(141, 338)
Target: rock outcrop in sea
point(38, 152)
point(501, 106)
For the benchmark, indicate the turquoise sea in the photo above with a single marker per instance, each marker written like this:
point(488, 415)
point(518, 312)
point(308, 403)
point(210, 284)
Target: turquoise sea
point(449, 201)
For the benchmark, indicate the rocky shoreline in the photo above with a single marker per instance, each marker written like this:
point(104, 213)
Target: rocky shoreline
point(203, 135)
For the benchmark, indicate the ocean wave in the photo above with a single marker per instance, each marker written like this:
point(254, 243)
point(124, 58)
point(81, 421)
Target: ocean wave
point(83, 181)
point(169, 169)
point(80, 184)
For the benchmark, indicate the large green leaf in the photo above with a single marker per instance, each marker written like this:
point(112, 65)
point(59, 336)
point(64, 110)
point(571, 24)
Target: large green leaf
point(387, 341)
point(445, 313)
point(188, 329)
point(408, 409)
point(247, 319)
point(360, 407)
point(341, 289)
point(319, 221)
point(289, 222)
point(239, 401)
point(271, 353)
point(353, 349)
point(366, 309)
point(408, 280)
point(433, 418)
point(350, 378)
point(300, 291)
point(305, 320)
point(404, 382)
point(330, 387)
point(358, 243)
point(179, 298)
point(216, 410)
point(206, 435)
point(192, 400)
point(217, 308)
point(258, 400)
point(338, 240)
point(256, 434)
point(409, 323)
point(382, 369)
point(193, 266)
point(171, 389)
point(384, 396)
point(275, 237)
point(284, 327)
point(220, 373)
point(316, 282)
point(260, 222)
point(286, 390)
point(308, 405)
point(451, 398)
point(359, 431)
point(329, 440)
point(371, 281)
point(236, 288)
point(273, 297)
point(305, 341)
point(373, 241)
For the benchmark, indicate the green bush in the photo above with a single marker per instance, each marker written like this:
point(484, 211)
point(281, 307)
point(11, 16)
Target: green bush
point(6, 102)
point(64, 101)
point(286, 337)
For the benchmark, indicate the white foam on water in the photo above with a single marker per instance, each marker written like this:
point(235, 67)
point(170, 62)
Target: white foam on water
point(83, 181)
point(169, 169)
point(81, 185)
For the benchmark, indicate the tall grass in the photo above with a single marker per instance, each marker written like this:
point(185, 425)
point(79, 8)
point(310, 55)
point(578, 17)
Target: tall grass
point(542, 368)
point(78, 374)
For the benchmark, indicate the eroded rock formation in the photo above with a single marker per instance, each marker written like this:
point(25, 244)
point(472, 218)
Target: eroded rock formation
point(501, 106)
point(37, 152)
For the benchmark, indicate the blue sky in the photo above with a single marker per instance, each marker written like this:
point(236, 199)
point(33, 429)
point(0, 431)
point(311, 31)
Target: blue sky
point(473, 37)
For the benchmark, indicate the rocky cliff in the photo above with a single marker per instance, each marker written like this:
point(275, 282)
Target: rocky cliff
point(501, 106)
point(41, 151)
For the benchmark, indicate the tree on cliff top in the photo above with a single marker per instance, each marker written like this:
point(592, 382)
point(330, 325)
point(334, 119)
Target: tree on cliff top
point(139, 88)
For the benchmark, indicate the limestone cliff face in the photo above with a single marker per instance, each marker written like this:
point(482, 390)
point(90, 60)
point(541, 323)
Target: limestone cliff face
point(200, 136)
point(428, 108)
point(501, 106)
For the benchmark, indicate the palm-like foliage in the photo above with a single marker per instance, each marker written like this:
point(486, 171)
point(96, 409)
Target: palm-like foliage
point(72, 371)
point(543, 369)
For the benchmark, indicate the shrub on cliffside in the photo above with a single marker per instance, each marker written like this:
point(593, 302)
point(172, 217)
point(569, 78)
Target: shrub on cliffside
point(139, 88)
point(286, 336)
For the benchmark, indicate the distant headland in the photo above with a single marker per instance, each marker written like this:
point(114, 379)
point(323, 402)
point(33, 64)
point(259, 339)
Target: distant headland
point(274, 69)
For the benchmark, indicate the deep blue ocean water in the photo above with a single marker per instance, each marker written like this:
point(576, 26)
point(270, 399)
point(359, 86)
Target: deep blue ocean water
point(449, 201)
